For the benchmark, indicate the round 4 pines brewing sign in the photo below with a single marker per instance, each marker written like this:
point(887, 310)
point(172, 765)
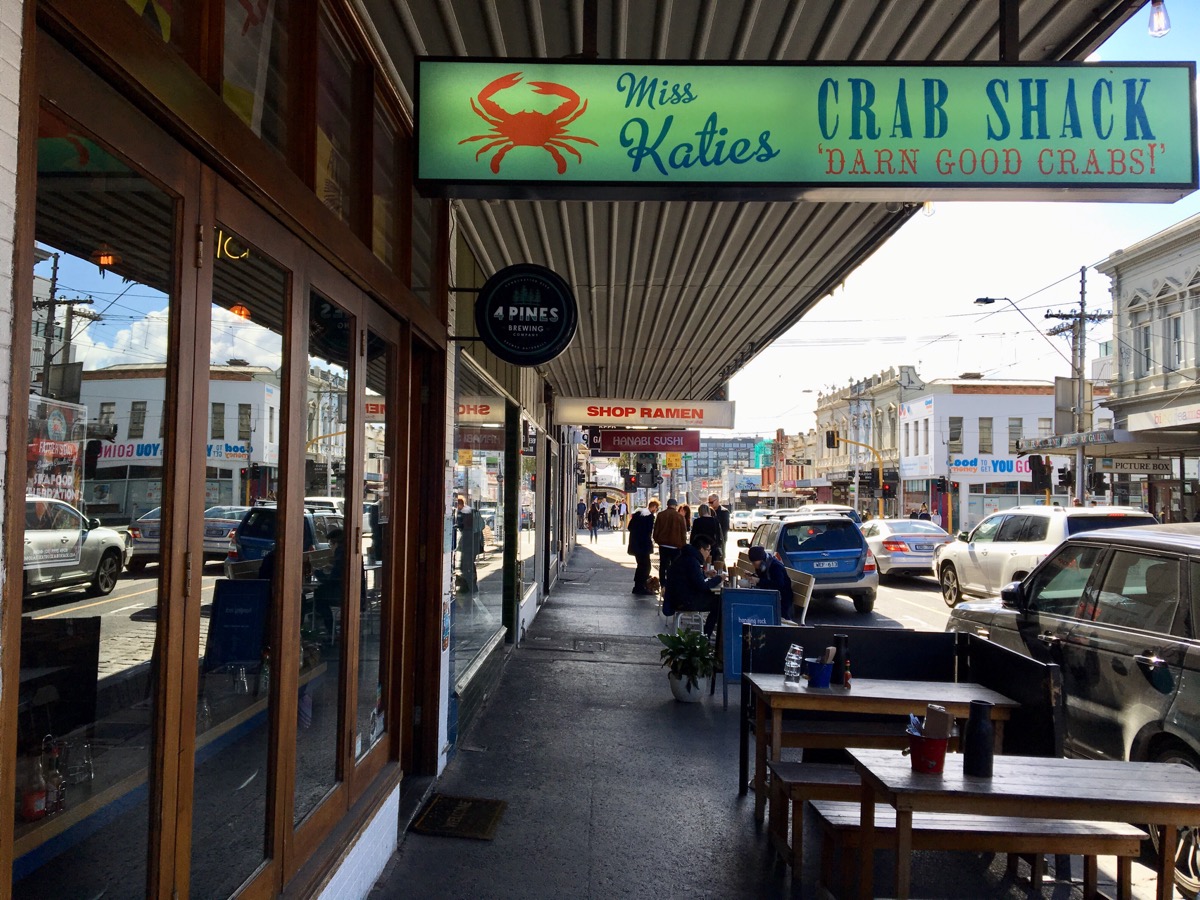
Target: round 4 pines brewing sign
point(526, 314)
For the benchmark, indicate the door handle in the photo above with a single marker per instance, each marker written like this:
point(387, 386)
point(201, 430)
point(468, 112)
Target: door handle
point(983, 633)
point(1152, 662)
point(1051, 640)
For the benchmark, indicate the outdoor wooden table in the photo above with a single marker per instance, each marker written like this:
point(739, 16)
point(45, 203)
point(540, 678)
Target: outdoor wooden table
point(1162, 794)
point(866, 695)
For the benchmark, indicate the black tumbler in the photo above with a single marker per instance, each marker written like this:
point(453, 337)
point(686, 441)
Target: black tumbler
point(978, 747)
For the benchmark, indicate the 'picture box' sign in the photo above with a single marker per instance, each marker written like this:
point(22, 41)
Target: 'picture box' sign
point(533, 128)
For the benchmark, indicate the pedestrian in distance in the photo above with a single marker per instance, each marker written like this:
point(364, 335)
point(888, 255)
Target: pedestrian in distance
point(706, 525)
point(671, 537)
point(581, 513)
point(722, 515)
point(686, 512)
point(641, 546)
point(593, 520)
point(924, 513)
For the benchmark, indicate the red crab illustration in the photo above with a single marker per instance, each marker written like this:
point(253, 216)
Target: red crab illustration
point(528, 128)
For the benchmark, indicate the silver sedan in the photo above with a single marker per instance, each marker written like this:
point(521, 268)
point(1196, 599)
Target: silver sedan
point(904, 546)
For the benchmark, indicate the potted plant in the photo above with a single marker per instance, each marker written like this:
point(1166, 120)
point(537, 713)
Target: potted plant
point(690, 660)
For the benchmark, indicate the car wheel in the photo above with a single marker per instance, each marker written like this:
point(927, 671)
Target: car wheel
point(951, 591)
point(1187, 853)
point(106, 573)
point(136, 566)
point(864, 603)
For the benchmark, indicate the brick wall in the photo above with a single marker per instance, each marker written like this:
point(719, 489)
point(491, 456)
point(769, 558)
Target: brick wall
point(362, 866)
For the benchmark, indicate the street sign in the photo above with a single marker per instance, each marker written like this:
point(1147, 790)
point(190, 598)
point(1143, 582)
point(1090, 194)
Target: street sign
point(673, 461)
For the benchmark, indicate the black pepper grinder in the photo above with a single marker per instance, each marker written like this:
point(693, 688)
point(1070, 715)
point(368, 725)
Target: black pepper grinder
point(840, 644)
point(978, 746)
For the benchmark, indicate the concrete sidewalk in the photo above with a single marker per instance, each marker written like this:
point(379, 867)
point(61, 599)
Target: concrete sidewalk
point(614, 789)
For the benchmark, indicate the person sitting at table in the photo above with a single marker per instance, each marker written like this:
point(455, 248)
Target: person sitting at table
point(772, 576)
point(708, 526)
point(687, 588)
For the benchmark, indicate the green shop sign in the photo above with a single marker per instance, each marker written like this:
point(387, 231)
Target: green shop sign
point(534, 129)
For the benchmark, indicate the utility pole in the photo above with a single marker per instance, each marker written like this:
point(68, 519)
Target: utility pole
point(1076, 323)
point(49, 332)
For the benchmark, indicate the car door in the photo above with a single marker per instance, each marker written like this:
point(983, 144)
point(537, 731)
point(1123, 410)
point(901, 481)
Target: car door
point(54, 550)
point(1122, 664)
point(972, 572)
point(994, 557)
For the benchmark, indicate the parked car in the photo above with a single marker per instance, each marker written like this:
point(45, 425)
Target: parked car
point(830, 548)
point(1117, 610)
point(219, 522)
point(823, 508)
point(337, 504)
point(144, 535)
point(1006, 545)
point(255, 537)
point(757, 517)
point(904, 546)
point(739, 520)
point(63, 548)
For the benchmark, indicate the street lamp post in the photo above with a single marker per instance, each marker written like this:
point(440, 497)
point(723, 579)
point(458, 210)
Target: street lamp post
point(1077, 364)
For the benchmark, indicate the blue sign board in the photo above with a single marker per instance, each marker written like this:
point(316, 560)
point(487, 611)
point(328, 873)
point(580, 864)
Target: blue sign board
point(743, 606)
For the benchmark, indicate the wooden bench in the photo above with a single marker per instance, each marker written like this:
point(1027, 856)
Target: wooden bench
point(988, 834)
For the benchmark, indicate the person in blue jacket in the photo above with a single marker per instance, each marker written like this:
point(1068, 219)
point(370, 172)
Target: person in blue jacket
point(772, 576)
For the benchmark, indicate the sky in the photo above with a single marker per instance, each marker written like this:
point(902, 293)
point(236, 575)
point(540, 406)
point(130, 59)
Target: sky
point(912, 302)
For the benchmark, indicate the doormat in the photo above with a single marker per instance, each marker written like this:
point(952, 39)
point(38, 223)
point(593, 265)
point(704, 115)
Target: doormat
point(464, 817)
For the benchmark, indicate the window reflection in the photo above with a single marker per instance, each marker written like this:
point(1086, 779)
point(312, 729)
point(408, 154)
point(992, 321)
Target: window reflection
point(241, 524)
point(85, 711)
point(477, 519)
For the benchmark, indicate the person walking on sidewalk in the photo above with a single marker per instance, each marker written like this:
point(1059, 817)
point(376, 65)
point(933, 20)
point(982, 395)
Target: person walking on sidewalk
point(593, 521)
point(641, 546)
point(671, 537)
point(581, 513)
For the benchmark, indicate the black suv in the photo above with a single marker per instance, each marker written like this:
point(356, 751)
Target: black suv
point(1119, 611)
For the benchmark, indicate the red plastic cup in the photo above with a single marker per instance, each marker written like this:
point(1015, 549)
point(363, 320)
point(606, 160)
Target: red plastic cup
point(928, 754)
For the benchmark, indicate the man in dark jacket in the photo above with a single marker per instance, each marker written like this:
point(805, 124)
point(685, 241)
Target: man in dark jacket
point(687, 589)
point(722, 516)
point(641, 546)
point(772, 576)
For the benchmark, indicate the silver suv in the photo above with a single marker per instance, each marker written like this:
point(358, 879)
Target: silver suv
point(1006, 545)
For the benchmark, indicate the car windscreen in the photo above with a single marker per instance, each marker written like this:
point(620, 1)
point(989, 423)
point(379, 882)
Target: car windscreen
point(806, 537)
point(1076, 524)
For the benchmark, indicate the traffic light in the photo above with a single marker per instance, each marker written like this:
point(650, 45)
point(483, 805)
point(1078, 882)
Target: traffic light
point(1037, 470)
point(533, 482)
point(954, 487)
point(941, 484)
point(889, 490)
point(631, 482)
point(831, 440)
point(1064, 477)
point(1099, 485)
point(873, 479)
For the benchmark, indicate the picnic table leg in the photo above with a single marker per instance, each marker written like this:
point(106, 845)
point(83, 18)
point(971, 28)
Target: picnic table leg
point(903, 852)
point(760, 759)
point(1169, 835)
point(866, 842)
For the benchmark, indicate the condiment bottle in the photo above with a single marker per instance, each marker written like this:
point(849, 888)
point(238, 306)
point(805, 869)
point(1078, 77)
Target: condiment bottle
point(846, 675)
point(33, 798)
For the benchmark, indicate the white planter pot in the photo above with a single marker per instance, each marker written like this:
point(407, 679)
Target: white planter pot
point(682, 694)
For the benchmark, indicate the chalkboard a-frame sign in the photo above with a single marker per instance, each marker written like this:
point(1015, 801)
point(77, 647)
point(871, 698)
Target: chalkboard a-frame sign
point(526, 314)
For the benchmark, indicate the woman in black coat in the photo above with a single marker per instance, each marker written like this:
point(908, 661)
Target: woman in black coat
point(708, 526)
point(641, 545)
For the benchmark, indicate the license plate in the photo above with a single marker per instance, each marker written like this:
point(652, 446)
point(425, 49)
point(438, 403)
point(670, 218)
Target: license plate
point(825, 565)
point(923, 548)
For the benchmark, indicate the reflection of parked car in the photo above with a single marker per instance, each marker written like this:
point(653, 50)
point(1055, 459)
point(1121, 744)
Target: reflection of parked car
point(219, 521)
point(144, 534)
point(1117, 610)
point(63, 548)
point(1006, 545)
point(904, 546)
point(828, 547)
point(254, 537)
